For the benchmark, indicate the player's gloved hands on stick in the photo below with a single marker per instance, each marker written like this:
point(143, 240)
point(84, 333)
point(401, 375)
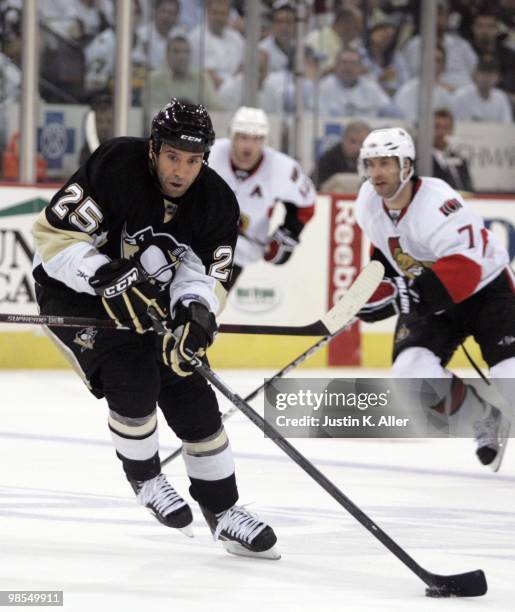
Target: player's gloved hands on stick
point(393, 296)
point(127, 293)
point(193, 330)
point(279, 246)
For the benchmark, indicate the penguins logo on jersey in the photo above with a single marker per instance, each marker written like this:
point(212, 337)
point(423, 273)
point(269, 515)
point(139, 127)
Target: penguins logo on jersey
point(160, 254)
point(409, 266)
point(402, 333)
point(85, 338)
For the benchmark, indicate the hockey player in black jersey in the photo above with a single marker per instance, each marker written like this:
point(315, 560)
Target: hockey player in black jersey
point(148, 224)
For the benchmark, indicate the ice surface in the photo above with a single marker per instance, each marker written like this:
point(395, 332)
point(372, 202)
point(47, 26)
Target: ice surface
point(69, 520)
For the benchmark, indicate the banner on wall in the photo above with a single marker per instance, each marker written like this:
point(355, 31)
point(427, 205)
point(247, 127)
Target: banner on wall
point(344, 265)
point(18, 211)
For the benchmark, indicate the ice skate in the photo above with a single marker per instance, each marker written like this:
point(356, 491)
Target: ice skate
point(491, 434)
point(164, 503)
point(241, 533)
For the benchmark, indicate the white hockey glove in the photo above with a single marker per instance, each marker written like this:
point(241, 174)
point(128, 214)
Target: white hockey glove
point(393, 296)
point(193, 331)
point(280, 246)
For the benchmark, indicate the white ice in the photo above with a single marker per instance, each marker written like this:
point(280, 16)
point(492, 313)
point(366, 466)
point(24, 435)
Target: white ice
point(69, 520)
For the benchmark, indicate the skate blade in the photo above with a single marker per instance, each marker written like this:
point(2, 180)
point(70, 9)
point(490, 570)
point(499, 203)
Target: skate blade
point(504, 432)
point(187, 531)
point(237, 549)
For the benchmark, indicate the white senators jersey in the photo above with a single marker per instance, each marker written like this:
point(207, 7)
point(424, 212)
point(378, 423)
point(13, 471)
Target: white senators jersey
point(277, 178)
point(436, 230)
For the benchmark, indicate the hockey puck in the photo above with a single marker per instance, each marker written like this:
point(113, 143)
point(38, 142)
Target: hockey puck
point(442, 591)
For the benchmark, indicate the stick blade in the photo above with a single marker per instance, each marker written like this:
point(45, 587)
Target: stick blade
point(470, 584)
point(356, 297)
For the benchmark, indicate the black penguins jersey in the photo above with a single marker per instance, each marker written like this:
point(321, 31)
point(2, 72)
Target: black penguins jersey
point(112, 207)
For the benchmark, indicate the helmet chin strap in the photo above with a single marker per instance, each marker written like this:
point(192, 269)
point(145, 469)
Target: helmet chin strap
point(403, 183)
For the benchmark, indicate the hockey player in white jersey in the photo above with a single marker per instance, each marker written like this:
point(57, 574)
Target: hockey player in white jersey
point(260, 177)
point(447, 277)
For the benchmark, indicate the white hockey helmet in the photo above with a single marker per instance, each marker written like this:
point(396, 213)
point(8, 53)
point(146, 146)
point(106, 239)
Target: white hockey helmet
point(249, 120)
point(388, 142)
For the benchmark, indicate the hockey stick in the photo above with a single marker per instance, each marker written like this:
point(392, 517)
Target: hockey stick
point(468, 584)
point(340, 316)
point(288, 368)
point(322, 327)
point(474, 365)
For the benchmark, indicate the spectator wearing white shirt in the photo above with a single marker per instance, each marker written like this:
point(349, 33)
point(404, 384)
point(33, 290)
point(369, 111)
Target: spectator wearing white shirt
point(100, 57)
point(461, 59)
point(92, 16)
point(218, 48)
point(230, 93)
point(347, 94)
point(382, 60)
point(10, 88)
point(78, 20)
point(344, 33)
point(153, 36)
point(280, 43)
point(482, 101)
point(279, 87)
point(10, 80)
point(407, 97)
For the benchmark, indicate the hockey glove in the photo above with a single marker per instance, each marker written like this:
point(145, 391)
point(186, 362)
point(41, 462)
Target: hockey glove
point(279, 246)
point(127, 293)
point(193, 331)
point(393, 296)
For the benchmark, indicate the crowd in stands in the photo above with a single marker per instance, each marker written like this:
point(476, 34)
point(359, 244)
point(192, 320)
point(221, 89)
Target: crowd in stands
point(361, 59)
point(356, 63)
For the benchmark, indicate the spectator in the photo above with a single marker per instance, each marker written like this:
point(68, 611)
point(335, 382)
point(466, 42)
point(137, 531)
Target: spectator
point(99, 125)
point(343, 156)
point(488, 44)
point(179, 79)
point(505, 11)
point(461, 59)
point(280, 43)
point(447, 164)
point(10, 80)
point(77, 20)
point(232, 90)
point(218, 48)
point(482, 101)
point(152, 37)
point(279, 87)
point(386, 64)
point(10, 86)
point(191, 13)
point(407, 97)
point(347, 94)
point(344, 33)
point(404, 14)
point(100, 57)
point(90, 17)
point(10, 28)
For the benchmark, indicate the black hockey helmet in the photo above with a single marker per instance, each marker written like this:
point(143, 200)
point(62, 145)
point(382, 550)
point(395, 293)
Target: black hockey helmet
point(183, 125)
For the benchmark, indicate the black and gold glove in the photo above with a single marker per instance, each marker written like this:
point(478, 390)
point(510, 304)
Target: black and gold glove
point(193, 331)
point(127, 293)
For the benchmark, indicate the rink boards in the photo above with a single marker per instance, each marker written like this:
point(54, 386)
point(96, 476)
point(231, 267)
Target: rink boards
point(330, 256)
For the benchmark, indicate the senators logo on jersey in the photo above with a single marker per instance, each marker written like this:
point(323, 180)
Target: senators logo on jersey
point(450, 206)
point(410, 267)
